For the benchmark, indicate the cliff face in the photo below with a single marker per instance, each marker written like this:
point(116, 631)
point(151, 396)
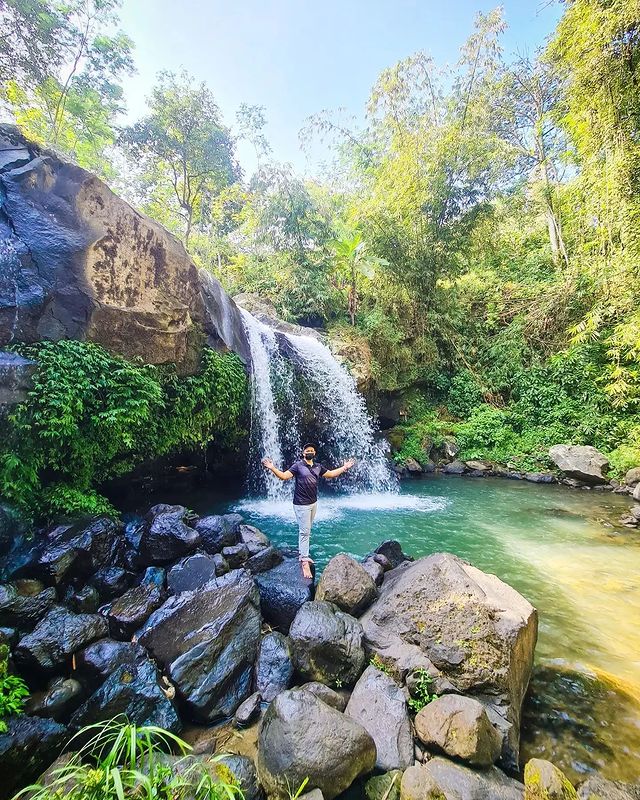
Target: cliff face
point(78, 262)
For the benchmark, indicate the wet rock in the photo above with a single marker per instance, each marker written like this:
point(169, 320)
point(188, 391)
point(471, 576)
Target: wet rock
point(302, 737)
point(191, 573)
point(579, 461)
point(418, 784)
point(221, 564)
point(248, 710)
point(236, 555)
point(24, 603)
point(243, 770)
point(249, 534)
point(155, 576)
point(218, 531)
point(385, 786)
point(374, 570)
point(314, 794)
point(346, 583)
point(455, 468)
point(457, 782)
point(82, 601)
point(412, 467)
point(207, 640)
point(112, 582)
point(383, 561)
point(29, 746)
point(481, 632)
point(539, 477)
point(636, 493)
point(56, 637)
point(598, 788)
point(459, 726)
point(9, 526)
point(337, 700)
point(274, 667)
point(166, 538)
point(379, 705)
point(78, 550)
point(132, 690)
point(266, 558)
point(131, 611)
point(21, 561)
point(544, 781)
point(283, 591)
point(96, 662)
point(327, 644)
point(392, 552)
point(61, 698)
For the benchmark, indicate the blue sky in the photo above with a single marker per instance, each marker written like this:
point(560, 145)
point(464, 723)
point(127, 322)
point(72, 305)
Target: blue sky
point(298, 58)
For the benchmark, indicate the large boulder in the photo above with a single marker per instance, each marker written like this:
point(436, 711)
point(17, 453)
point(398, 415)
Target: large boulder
point(74, 551)
point(133, 691)
point(346, 583)
point(302, 737)
point(191, 573)
point(62, 696)
point(274, 667)
point(218, 531)
point(24, 603)
point(598, 788)
point(333, 698)
point(207, 640)
point(283, 591)
point(166, 538)
point(582, 462)
point(131, 611)
point(56, 638)
point(327, 644)
point(456, 782)
point(473, 633)
point(379, 705)
point(460, 727)
point(29, 745)
point(89, 266)
point(96, 662)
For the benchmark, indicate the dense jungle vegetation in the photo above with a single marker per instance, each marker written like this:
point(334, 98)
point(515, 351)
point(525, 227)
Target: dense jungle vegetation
point(475, 242)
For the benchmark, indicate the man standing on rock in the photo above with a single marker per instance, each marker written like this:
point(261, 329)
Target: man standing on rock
point(305, 495)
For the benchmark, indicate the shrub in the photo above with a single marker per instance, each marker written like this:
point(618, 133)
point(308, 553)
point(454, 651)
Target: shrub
point(121, 760)
point(13, 690)
point(464, 394)
point(422, 695)
point(91, 416)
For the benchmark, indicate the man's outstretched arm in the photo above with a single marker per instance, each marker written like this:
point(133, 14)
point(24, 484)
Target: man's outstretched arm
point(284, 476)
point(334, 473)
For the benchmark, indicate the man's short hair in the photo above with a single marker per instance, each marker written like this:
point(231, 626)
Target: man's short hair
point(312, 446)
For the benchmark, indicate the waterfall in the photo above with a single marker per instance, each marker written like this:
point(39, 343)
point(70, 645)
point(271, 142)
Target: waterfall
point(308, 390)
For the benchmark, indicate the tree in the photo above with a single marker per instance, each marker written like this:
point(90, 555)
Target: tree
point(33, 38)
point(71, 100)
point(183, 150)
point(353, 261)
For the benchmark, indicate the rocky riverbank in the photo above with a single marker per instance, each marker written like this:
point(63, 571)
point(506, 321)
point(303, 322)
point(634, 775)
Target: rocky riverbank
point(405, 676)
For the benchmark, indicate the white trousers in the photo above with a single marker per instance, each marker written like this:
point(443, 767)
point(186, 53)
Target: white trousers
point(305, 516)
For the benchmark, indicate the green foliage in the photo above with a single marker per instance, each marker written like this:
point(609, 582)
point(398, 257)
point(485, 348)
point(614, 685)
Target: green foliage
point(464, 394)
point(422, 694)
point(121, 760)
point(420, 436)
point(92, 416)
point(379, 664)
point(13, 690)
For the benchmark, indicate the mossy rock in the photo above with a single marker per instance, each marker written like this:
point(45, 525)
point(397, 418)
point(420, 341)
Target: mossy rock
point(544, 781)
point(384, 787)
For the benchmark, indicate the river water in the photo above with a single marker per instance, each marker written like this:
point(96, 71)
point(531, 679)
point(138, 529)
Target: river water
point(560, 548)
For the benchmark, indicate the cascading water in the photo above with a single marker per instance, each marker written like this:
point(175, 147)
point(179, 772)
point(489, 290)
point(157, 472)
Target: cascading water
point(308, 379)
point(346, 430)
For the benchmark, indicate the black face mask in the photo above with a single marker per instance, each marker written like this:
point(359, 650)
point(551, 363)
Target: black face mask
point(308, 456)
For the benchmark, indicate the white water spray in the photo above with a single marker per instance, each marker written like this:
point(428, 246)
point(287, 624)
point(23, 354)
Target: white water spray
point(340, 417)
